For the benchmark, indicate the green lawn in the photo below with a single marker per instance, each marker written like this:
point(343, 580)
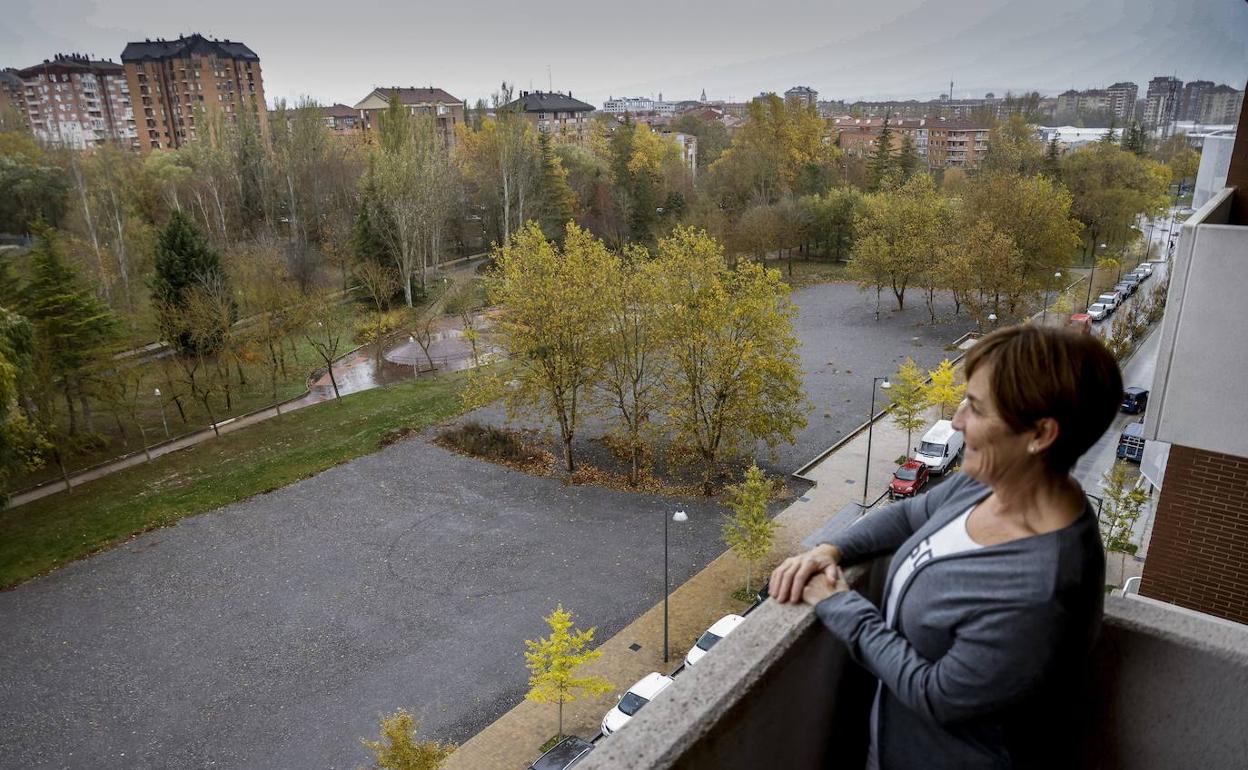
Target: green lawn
point(46, 534)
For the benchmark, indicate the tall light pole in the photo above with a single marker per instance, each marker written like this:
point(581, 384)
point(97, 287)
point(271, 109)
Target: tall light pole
point(1044, 314)
point(1088, 302)
point(678, 516)
point(866, 474)
point(163, 421)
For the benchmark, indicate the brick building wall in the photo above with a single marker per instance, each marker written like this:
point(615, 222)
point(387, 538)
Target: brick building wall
point(1198, 554)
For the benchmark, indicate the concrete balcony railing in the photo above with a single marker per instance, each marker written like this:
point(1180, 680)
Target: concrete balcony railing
point(782, 692)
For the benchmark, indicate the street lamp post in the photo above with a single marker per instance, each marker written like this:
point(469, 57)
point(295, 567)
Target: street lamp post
point(678, 516)
point(412, 341)
point(1088, 302)
point(866, 473)
point(1044, 314)
point(163, 421)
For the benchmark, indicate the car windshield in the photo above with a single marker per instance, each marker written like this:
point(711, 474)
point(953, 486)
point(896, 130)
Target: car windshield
point(928, 448)
point(907, 474)
point(631, 703)
point(708, 641)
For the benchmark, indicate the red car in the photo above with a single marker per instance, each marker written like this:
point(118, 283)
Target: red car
point(908, 479)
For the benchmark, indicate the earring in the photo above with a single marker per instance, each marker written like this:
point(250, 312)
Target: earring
point(1032, 449)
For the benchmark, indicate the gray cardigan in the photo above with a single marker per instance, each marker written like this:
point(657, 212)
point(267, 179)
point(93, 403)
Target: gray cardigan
point(989, 658)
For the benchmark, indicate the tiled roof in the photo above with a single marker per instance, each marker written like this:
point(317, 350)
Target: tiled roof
point(185, 46)
point(65, 65)
point(339, 111)
point(546, 101)
point(418, 95)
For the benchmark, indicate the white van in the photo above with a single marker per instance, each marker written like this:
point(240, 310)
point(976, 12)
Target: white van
point(940, 447)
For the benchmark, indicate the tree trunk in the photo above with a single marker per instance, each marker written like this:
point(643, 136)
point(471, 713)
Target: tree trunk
point(69, 405)
point(334, 382)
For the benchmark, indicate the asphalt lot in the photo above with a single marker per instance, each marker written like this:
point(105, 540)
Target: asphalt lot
point(273, 632)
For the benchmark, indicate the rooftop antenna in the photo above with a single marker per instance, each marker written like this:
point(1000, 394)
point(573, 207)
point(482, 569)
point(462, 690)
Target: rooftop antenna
point(951, 90)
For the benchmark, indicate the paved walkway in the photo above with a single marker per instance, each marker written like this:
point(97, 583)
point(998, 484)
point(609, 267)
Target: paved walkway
point(513, 740)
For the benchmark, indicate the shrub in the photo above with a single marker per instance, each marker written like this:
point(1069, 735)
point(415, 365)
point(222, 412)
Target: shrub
point(486, 441)
point(375, 327)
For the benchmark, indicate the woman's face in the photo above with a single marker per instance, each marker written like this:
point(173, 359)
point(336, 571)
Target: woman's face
point(993, 449)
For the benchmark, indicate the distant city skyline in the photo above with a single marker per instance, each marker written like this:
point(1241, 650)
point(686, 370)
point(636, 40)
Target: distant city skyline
point(911, 49)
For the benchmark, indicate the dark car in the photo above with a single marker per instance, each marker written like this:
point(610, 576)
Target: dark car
point(1131, 442)
point(1134, 400)
point(908, 479)
point(563, 754)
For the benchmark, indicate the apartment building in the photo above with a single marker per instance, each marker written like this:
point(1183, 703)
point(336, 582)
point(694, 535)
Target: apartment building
point(77, 102)
point(803, 95)
point(446, 110)
point(1189, 103)
point(552, 112)
point(1121, 98)
point(342, 119)
point(956, 144)
point(12, 94)
point(639, 105)
point(857, 137)
point(174, 80)
point(1162, 103)
point(1219, 105)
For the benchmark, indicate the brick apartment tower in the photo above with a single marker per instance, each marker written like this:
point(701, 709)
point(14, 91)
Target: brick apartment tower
point(171, 79)
point(1196, 429)
point(76, 102)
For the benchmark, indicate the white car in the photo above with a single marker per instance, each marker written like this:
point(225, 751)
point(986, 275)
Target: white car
point(1098, 311)
point(719, 630)
point(637, 696)
point(1111, 300)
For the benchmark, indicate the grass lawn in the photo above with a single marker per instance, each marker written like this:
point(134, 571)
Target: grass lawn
point(43, 535)
point(810, 272)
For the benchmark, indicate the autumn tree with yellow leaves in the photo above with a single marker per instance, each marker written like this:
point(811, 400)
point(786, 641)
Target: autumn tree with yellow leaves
point(553, 662)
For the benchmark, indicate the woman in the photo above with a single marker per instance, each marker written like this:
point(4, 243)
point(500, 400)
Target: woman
point(995, 588)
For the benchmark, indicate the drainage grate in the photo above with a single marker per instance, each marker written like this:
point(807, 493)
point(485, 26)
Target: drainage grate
point(634, 647)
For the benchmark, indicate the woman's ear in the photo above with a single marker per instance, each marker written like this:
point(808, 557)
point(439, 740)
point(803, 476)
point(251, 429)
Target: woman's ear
point(1044, 434)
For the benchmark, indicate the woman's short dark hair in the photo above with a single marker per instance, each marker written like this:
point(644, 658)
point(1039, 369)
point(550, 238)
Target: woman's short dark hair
point(1042, 372)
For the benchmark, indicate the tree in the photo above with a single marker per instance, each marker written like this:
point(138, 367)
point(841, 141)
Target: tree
point(553, 662)
point(35, 188)
point(400, 749)
point(909, 397)
point(634, 365)
point(907, 163)
point(1134, 139)
point(1123, 504)
point(326, 331)
point(381, 282)
point(551, 323)
point(898, 236)
point(1109, 187)
point(880, 166)
point(72, 328)
point(21, 445)
point(503, 163)
point(184, 260)
point(750, 532)
point(557, 201)
point(944, 392)
point(735, 373)
point(712, 137)
point(1014, 149)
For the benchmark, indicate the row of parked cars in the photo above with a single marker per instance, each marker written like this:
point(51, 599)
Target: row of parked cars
point(936, 453)
point(572, 750)
point(1111, 300)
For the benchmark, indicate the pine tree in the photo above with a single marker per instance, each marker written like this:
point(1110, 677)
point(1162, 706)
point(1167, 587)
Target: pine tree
point(750, 532)
point(880, 165)
point(1052, 158)
point(184, 261)
point(554, 660)
point(1134, 140)
point(1111, 136)
point(559, 200)
point(71, 325)
point(368, 240)
point(907, 161)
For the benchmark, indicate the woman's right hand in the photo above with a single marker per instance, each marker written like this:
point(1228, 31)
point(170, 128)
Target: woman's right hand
point(788, 580)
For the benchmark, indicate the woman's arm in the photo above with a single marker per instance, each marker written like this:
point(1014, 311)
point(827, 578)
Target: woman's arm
point(882, 532)
point(998, 656)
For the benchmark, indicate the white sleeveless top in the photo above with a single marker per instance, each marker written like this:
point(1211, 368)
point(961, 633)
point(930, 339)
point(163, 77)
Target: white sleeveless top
point(949, 539)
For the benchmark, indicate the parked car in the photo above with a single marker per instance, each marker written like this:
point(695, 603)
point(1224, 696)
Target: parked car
point(1141, 273)
point(1134, 400)
point(1147, 267)
point(564, 754)
point(637, 696)
point(718, 630)
point(1080, 322)
point(1131, 442)
point(940, 447)
point(908, 479)
point(1111, 300)
point(1125, 288)
point(1133, 279)
point(1098, 311)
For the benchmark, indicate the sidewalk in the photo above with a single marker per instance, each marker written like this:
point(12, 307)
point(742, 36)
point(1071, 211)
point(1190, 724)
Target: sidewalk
point(514, 739)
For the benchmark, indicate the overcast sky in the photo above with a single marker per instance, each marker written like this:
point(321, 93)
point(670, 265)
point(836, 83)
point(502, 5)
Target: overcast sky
point(337, 51)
